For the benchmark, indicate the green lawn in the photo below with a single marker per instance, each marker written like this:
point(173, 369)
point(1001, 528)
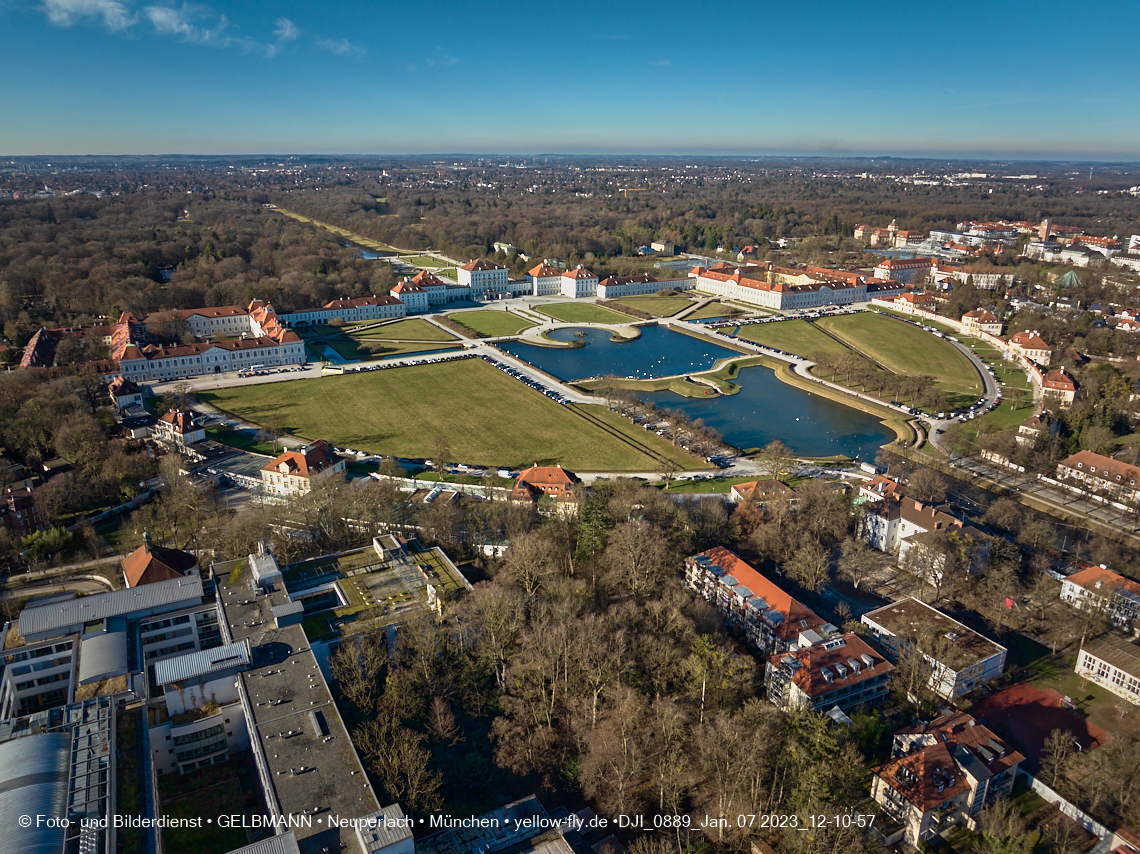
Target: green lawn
point(906, 349)
point(423, 261)
point(582, 312)
point(714, 309)
point(393, 348)
point(488, 323)
point(657, 306)
point(241, 440)
point(795, 336)
point(413, 328)
point(484, 416)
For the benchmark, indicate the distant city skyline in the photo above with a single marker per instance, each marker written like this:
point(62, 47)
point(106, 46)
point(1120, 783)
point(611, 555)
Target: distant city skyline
point(985, 80)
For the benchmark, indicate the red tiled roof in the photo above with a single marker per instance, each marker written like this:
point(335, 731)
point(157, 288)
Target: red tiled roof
point(150, 564)
point(1092, 576)
point(542, 271)
point(797, 616)
point(578, 272)
point(1059, 381)
point(836, 658)
point(426, 278)
point(181, 421)
point(481, 264)
point(1028, 341)
point(313, 459)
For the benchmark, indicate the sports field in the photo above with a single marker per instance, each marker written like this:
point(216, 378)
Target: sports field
point(582, 312)
point(794, 336)
point(491, 324)
point(657, 306)
point(906, 349)
point(412, 329)
point(485, 417)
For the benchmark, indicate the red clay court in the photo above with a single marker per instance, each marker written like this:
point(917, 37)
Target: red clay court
point(1026, 715)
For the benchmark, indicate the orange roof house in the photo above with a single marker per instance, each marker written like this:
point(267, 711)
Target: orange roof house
point(149, 564)
point(538, 481)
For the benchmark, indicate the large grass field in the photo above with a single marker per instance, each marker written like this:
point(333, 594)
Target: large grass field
point(906, 349)
point(484, 416)
point(424, 261)
point(491, 324)
point(582, 312)
point(349, 348)
point(657, 306)
point(794, 336)
point(412, 329)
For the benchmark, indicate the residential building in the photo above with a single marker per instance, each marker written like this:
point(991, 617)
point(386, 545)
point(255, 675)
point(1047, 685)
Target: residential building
point(766, 495)
point(19, 514)
point(663, 247)
point(190, 360)
point(1101, 589)
point(125, 393)
point(1030, 345)
point(413, 296)
point(1097, 473)
point(768, 618)
point(1029, 432)
point(505, 248)
point(880, 488)
point(958, 657)
point(578, 283)
point(179, 427)
point(545, 280)
point(486, 279)
point(150, 564)
point(1059, 386)
point(906, 270)
point(294, 472)
point(1113, 663)
point(915, 303)
point(553, 481)
point(440, 292)
point(943, 773)
point(897, 525)
point(980, 320)
point(841, 672)
point(1129, 260)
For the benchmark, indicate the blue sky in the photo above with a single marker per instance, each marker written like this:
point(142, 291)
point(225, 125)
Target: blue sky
point(967, 79)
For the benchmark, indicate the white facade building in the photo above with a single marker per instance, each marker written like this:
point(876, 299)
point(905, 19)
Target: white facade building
point(578, 283)
point(1113, 663)
point(485, 278)
point(191, 360)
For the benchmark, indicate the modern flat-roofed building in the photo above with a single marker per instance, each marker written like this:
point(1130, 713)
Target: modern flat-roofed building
point(768, 617)
point(1113, 663)
point(958, 657)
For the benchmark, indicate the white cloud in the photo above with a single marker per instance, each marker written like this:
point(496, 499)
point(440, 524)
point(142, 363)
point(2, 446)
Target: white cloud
point(65, 13)
point(286, 30)
point(179, 22)
point(341, 47)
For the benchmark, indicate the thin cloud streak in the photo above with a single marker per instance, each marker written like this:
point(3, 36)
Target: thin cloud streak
point(66, 13)
point(340, 47)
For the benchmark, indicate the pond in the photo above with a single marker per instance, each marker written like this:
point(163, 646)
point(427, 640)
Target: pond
point(763, 410)
point(766, 409)
point(659, 352)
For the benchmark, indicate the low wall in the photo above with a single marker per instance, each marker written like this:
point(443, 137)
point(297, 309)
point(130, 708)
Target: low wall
point(1075, 813)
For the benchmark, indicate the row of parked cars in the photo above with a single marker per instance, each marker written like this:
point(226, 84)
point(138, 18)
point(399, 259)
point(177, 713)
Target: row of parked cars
point(383, 366)
point(264, 372)
point(554, 395)
point(776, 318)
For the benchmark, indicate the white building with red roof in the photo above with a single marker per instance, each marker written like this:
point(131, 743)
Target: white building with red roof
point(350, 310)
point(780, 288)
point(578, 283)
point(905, 270)
point(544, 279)
point(1098, 473)
point(179, 427)
point(1104, 590)
point(485, 278)
point(980, 320)
point(551, 481)
point(1030, 345)
point(227, 320)
point(294, 472)
point(615, 287)
point(413, 296)
point(1058, 385)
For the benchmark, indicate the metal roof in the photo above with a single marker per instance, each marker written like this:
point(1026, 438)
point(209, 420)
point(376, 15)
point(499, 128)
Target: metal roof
point(202, 663)
point(61, 616)
point(287, 608)
point(33, 781)
point(382, 828)
point(286, 843)
point(102, 656)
